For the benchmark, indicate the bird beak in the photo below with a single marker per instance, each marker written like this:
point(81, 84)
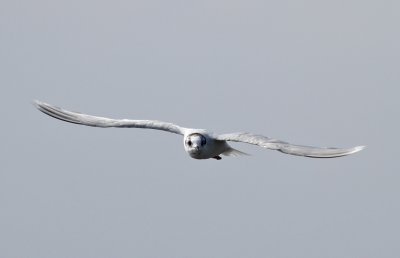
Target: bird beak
point(197, 148)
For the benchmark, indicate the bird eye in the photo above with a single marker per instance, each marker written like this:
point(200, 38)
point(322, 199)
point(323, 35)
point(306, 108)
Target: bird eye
point(189, 143)
point(203, 141)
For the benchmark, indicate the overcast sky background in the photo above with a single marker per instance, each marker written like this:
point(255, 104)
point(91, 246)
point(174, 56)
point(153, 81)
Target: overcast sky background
point(323, 73)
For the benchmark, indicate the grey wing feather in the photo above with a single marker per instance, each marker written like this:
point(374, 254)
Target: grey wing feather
point(96, 121)
point(299, 150)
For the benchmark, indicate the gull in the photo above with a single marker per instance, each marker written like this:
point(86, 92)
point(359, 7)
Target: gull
point(198, 143)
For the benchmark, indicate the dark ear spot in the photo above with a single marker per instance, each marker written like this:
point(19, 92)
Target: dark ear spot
point(203, 141)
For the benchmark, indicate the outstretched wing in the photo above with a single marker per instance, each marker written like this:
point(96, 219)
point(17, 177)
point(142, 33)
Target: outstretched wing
point(96, 121)
point(299, 150)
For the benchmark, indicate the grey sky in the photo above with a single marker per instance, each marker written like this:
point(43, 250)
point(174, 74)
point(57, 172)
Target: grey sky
point(309, 72)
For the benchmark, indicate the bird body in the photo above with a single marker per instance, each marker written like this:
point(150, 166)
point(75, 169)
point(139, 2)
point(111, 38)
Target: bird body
point(198, 143)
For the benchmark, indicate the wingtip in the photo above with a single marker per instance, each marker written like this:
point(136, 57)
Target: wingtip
point(358, 148)
point(37, 103)
point(40, 104)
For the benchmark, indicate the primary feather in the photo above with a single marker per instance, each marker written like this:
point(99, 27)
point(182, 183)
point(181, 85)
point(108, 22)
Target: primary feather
point(299, 150)
point(96, 121)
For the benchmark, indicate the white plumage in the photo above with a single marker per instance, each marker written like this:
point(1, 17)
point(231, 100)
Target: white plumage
point(198, 143)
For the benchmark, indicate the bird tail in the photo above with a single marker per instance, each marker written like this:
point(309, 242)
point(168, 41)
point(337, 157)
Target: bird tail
point(234, 152)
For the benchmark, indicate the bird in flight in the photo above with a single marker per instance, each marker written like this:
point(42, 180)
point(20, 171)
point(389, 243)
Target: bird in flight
point(198, 143)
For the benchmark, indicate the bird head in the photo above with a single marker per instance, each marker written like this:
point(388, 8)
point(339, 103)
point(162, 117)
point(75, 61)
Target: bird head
point(195, 143)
